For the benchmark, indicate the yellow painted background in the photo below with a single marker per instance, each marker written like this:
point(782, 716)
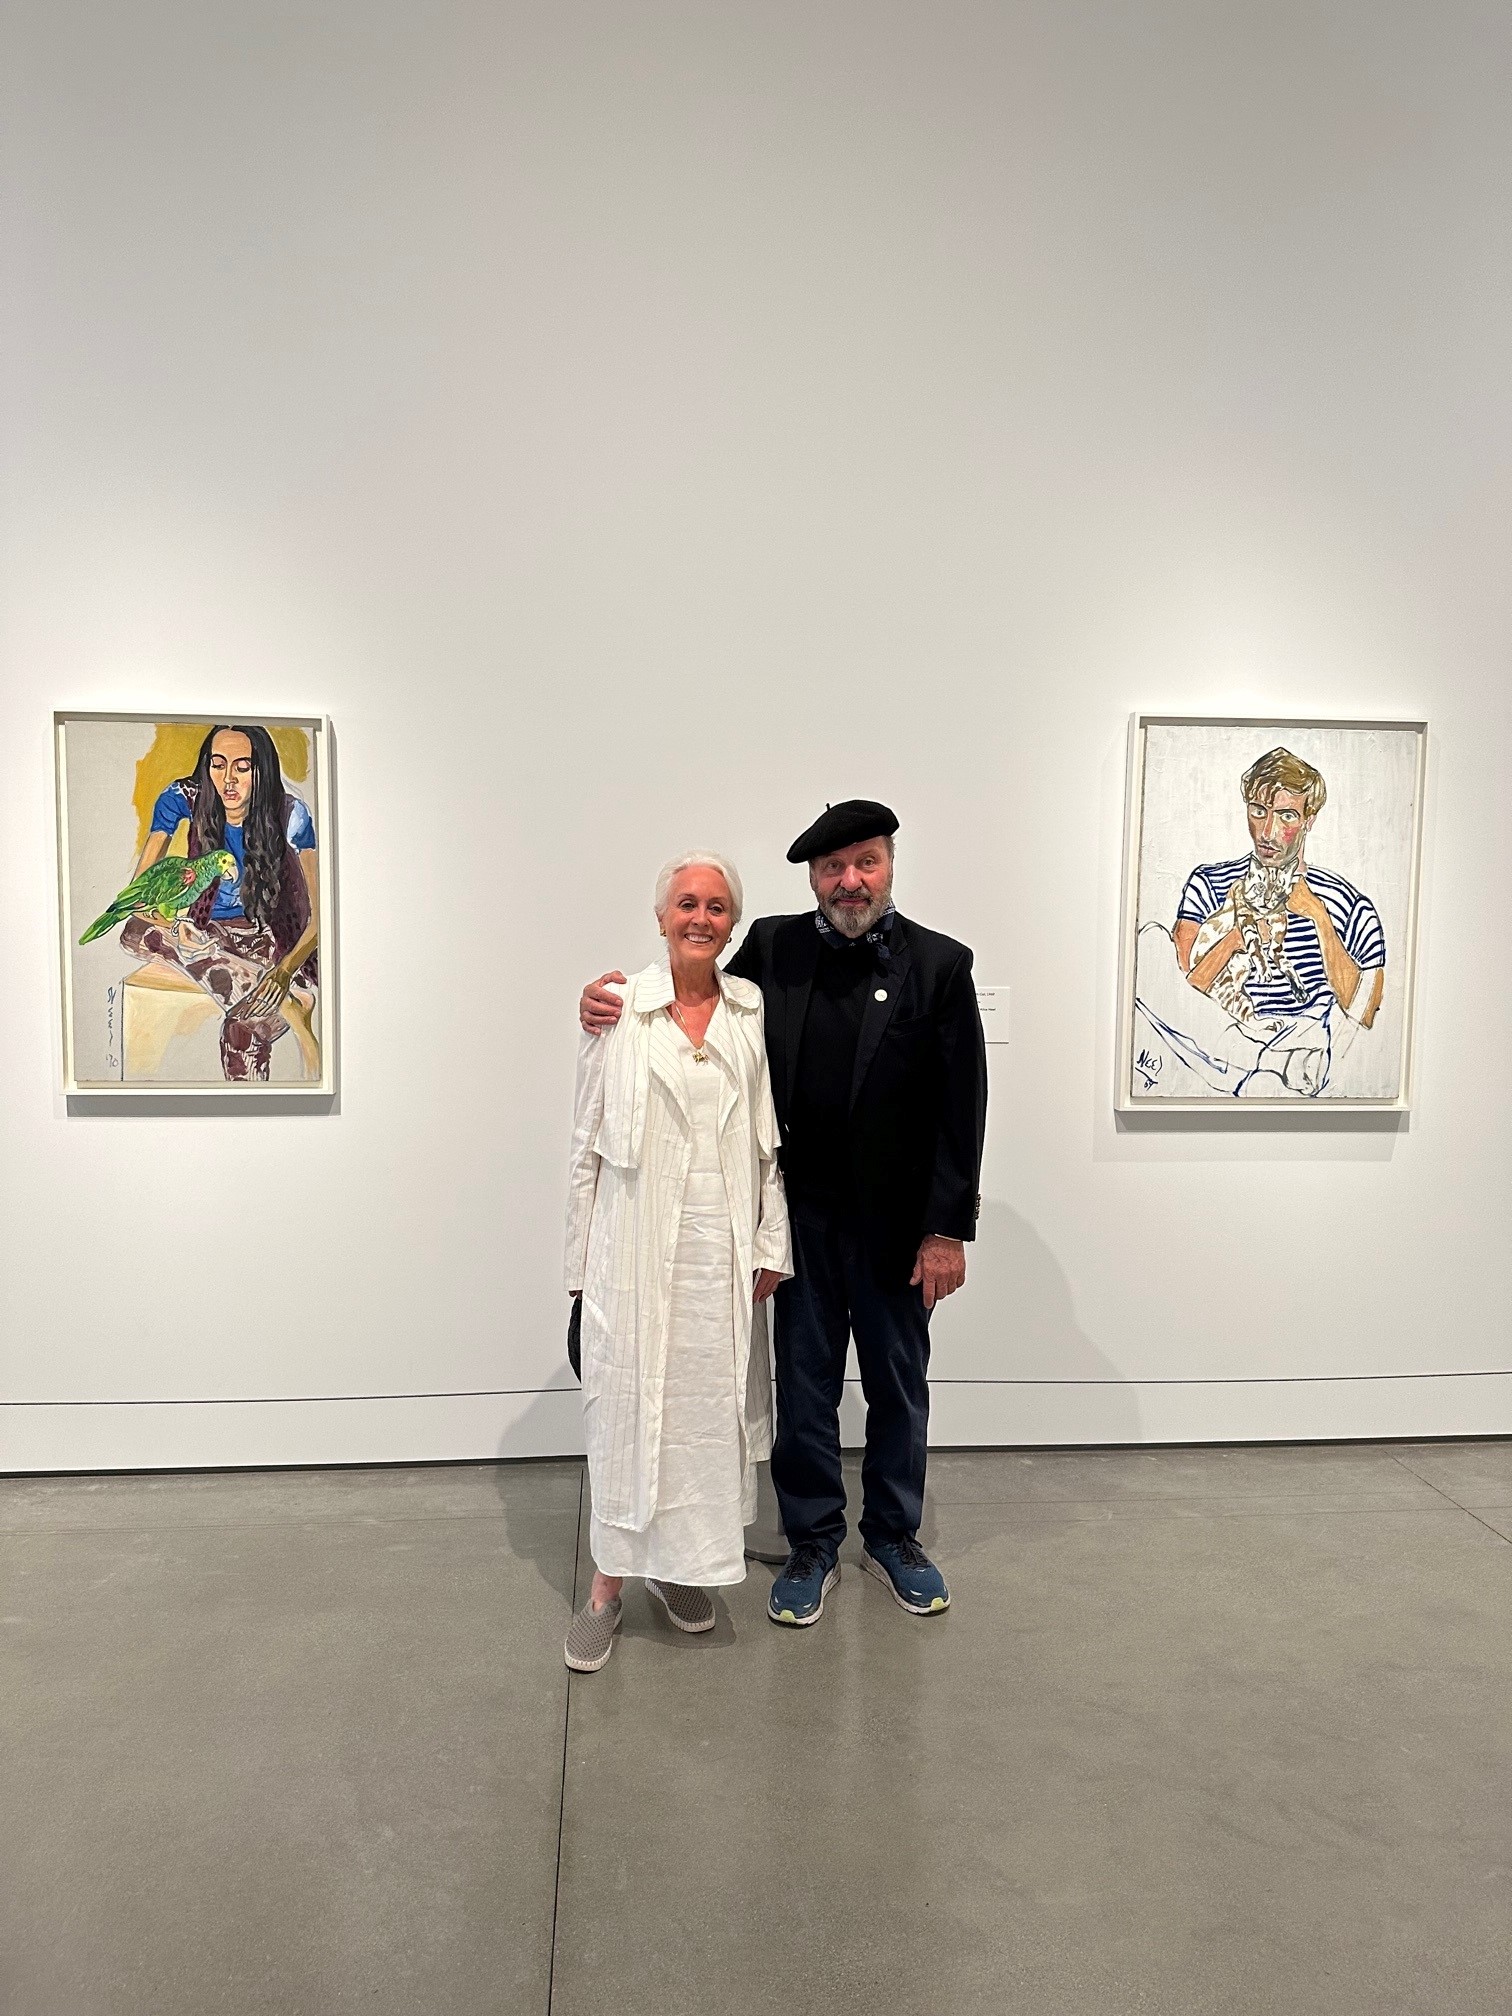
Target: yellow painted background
point(175, 748)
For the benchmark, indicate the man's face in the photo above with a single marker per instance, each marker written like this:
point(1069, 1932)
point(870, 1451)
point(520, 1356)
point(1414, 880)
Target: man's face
point(1278, 824)
point(854, 885)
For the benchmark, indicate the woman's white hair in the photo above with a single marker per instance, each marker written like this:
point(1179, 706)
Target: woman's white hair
point(697, 858)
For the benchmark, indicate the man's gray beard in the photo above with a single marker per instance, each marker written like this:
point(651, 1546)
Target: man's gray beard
point(853, 923)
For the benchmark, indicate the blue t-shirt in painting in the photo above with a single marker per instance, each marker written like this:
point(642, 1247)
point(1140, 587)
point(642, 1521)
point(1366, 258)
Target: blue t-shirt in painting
point(1354, 916)
point(173, 807)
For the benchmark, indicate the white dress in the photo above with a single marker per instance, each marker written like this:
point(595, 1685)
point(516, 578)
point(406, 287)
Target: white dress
point(697, 1533)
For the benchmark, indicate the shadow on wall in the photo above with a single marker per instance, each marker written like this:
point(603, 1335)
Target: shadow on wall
point(1013, 1338)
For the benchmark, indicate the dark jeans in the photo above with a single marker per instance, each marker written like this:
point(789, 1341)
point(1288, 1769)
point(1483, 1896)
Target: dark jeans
point(833, 1296)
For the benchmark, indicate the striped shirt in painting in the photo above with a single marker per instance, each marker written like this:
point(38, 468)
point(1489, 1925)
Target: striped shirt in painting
point(1355, 918)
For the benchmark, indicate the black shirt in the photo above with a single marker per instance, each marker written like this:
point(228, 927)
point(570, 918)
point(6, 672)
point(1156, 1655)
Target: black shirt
point(915, 1131)
point(817, 1160)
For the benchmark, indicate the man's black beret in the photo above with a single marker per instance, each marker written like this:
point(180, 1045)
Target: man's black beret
point(842, 826)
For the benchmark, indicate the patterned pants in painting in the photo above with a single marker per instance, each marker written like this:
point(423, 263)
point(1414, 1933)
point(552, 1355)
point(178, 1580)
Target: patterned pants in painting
point(226, 959)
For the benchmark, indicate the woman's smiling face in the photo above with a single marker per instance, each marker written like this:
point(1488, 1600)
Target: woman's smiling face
point(699, 916)
point(231, 771)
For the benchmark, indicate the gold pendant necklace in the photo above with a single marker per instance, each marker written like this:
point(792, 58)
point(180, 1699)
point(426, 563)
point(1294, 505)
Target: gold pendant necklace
point(700, 1055)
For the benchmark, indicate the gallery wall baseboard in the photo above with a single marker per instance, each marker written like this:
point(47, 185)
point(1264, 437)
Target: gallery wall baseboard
point(480, 1427)
point(1223, 1410)
point(211, 1434)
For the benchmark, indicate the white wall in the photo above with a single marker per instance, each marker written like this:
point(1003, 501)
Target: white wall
point(637, 424)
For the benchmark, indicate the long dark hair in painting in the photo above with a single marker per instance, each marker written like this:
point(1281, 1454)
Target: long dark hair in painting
point(262, 827)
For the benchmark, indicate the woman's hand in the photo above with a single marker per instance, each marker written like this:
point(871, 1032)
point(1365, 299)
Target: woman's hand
point(766, 1281)
point(267, 997)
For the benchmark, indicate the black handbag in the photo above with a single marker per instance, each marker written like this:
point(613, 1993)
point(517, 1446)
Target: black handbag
point(575, 1338)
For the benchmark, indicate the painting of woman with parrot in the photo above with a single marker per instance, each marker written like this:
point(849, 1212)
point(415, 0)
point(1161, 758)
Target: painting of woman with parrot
point(238, 914)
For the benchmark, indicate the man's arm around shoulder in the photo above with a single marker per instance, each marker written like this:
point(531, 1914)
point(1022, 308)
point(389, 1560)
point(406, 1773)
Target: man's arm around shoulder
point(601, 1003)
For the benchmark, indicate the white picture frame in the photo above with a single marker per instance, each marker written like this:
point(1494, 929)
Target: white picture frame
point(1178, 1052)
point(81, 1072)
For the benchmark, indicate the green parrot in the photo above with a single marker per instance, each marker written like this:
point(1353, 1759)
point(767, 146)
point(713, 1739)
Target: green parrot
point(165, 890)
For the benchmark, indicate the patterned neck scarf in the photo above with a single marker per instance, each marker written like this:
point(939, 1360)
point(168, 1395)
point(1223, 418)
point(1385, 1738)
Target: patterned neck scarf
point(879, 937)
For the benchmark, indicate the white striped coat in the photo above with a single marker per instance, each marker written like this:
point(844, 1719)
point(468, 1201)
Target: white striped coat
point(631, 1146)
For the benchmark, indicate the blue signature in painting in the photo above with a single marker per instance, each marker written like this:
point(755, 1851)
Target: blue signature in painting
point(1149, 1065)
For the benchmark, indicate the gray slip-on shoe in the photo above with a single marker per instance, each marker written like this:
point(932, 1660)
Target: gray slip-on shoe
point(688, 1609)
point(590, 1636)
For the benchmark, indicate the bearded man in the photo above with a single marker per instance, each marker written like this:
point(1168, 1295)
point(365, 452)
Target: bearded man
point(879, 1076)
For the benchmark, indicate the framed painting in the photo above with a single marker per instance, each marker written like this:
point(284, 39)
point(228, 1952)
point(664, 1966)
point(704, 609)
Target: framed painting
point(1269, 914)
point(195, 902)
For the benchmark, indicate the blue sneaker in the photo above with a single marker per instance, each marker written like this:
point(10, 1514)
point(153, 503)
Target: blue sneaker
point(798, 1593)
point(911, 1578)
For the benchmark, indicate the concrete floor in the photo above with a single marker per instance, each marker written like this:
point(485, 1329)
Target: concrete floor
point(1206, 1731)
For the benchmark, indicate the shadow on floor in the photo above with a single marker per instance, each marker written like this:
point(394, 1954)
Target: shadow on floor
point(543, 1501)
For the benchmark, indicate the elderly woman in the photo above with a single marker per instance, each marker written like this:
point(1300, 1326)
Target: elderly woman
point(677, 1234)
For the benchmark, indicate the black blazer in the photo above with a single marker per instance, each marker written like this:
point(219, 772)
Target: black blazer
point(919, 1091)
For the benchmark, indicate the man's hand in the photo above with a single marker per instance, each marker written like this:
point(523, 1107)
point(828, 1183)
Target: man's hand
point(766, 1282)
point(940, 1268)
point(599, 1010)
